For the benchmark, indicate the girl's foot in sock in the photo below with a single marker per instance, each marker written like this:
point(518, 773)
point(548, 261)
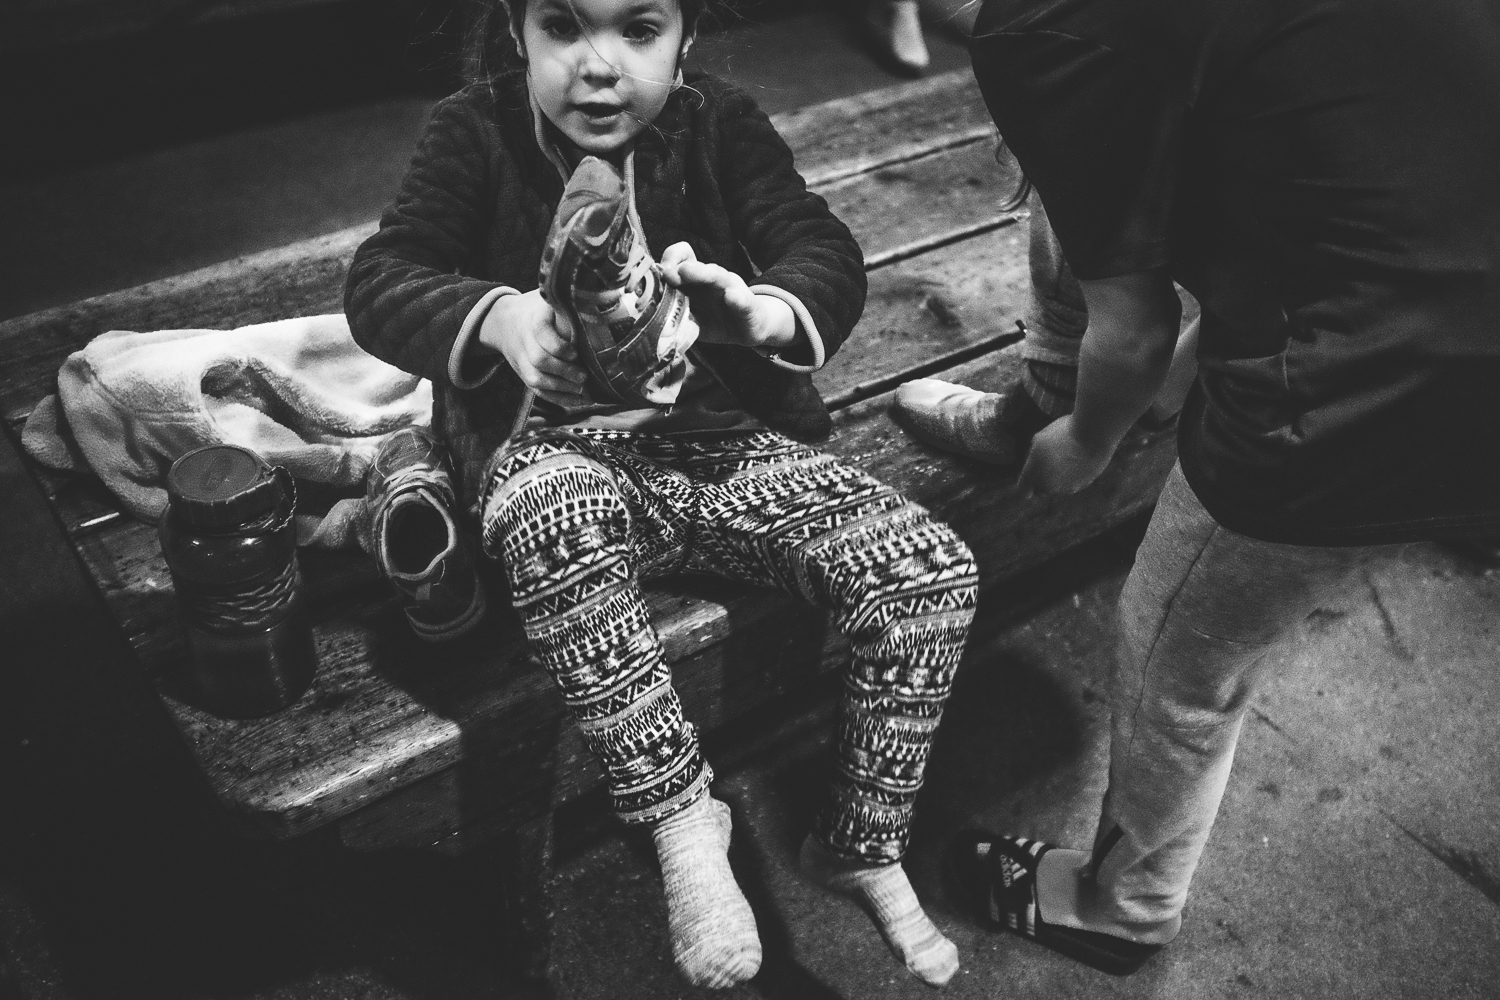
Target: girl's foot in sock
point(714, 939)
point(887, 896)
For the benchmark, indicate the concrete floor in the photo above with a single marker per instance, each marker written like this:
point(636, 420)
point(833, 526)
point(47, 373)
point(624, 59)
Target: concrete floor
point(1358, 852)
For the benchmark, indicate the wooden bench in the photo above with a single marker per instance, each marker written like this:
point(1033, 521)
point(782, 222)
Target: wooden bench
point(401, 744)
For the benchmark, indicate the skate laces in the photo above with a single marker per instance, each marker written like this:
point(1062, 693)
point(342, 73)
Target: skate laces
point(625, 299)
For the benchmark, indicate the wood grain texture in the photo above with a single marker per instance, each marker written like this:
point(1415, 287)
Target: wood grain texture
point(774, 644)
point(907, 201)
point(934, 303)
point(851, 135)
point(386, 710)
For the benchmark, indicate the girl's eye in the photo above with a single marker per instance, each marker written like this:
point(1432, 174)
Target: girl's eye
point(642, 31)
point(560, 27)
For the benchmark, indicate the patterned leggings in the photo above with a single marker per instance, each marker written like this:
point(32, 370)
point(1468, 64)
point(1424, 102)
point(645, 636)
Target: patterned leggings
point(580, 515)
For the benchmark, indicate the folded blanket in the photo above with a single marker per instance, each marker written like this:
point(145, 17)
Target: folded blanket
point(299, 392)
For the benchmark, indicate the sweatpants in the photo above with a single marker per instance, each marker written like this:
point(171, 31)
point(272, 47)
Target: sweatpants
point(1200, 610)
point(580, 516)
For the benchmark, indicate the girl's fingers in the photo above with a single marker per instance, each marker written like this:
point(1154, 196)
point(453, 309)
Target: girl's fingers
point(676, 254)
point(698, 273)
point(555, 344)
point(739, 298)
point(672, 258)
point(562, 369)
point(552, 384)
point(572, 399)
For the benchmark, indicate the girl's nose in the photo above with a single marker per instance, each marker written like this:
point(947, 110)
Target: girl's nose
point(596, 64)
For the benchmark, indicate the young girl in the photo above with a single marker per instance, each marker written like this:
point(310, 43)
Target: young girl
point(582, 496)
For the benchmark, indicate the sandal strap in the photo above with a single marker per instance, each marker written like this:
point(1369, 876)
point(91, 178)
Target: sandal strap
point(1012, 897)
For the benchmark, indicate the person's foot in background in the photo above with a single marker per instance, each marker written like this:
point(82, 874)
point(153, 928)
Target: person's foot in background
point(895, 27)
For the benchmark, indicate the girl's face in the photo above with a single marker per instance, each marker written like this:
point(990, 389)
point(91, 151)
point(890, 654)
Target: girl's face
point(601, 70)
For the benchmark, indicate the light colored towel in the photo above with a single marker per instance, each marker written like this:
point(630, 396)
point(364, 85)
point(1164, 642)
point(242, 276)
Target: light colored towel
point(298, 392)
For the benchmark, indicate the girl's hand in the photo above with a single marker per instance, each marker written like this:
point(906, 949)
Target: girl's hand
point(523, 328)
point(1058, 463)
point(727, 311)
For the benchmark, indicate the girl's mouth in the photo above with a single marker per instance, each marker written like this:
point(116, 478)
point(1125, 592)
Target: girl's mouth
point(598, 110)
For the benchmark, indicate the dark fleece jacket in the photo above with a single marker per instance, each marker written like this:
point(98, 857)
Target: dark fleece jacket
point(475, 207)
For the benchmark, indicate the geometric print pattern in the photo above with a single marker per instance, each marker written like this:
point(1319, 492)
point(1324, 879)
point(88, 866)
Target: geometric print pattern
point(579, 516)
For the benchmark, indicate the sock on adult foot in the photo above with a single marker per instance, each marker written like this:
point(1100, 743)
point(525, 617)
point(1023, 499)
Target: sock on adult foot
point(887, 896)
point(714, 939)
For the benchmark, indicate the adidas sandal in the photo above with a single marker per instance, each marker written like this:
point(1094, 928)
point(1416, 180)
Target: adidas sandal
point(995, 877)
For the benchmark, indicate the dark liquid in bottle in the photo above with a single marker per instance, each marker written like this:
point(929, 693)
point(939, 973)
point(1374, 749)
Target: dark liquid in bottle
point(230, 544)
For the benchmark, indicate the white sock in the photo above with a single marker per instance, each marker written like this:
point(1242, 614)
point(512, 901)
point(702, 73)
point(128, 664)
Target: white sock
point(714, 939)
point(887, 896)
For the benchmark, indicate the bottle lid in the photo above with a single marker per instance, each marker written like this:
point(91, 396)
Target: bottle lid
point(223, 486)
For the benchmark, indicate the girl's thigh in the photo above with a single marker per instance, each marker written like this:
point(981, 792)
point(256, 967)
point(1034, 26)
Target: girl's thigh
point(547, 484)
point(777, 513)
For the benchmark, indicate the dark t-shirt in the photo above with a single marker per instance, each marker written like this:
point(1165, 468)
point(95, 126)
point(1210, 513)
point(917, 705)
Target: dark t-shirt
point(1324, 177)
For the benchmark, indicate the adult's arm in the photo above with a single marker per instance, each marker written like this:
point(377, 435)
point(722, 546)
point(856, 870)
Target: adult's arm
point(1123, 364)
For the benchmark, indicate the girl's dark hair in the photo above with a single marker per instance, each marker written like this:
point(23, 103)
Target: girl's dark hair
point(494, 25)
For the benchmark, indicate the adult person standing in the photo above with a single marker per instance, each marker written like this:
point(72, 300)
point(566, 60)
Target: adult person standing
point(1322, 176)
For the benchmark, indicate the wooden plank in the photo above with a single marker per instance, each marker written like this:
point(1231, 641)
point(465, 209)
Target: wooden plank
point(906, 202)
point(837, 139)
point(126, 563)
point(482, 795)
point(82, 503)
point(834, 142)
point(387, 710)
point(934, 303)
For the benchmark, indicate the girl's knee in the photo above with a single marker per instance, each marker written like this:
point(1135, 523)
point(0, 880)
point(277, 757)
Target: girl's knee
point(545, 486)
point(943, 560)
point(915, 608)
